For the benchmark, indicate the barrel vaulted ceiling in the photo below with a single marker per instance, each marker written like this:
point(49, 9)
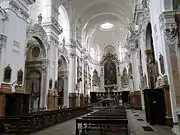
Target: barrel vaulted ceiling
point(88, 15)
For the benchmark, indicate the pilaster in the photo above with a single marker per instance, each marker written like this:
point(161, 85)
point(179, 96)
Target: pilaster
point(170, 40)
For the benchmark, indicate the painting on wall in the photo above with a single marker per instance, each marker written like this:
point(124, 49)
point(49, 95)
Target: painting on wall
point(110, 75)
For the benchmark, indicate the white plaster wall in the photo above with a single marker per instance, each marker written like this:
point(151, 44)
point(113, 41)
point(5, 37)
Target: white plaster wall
point(40, 7)
point(155, 12)
point(15, 30)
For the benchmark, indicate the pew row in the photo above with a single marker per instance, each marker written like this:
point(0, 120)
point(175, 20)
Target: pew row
point(108, 121)
point(39, 120)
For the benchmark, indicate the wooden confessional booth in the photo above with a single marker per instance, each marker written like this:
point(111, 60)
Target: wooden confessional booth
point(154, 106)
point(16, 104)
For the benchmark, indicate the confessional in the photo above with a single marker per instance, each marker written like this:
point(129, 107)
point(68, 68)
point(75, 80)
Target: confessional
point(125, 97)
point(154, 106)
point(16, 104)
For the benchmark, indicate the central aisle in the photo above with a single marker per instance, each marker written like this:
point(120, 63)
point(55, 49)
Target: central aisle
point(135, 126)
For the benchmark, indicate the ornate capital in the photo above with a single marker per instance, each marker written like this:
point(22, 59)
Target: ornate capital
point(170, 33)
point(169, 26)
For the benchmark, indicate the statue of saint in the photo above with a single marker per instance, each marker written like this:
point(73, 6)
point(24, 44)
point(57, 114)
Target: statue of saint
point(56, 85)
point(7, 74)
point(50, 83)
point(124, 72)
point(39, 19)
point(20, 77)
point(161, 61)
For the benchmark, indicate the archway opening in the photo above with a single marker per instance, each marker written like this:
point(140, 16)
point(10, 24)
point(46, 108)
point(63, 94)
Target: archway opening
point(62, 81)
point(152, 65)
point(33, 72)
point(63, 20)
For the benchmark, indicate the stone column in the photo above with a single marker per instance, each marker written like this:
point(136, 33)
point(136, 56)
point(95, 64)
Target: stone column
point(170, 38)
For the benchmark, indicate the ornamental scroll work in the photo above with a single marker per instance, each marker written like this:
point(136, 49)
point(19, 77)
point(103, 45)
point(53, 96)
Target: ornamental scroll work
point(171, 32)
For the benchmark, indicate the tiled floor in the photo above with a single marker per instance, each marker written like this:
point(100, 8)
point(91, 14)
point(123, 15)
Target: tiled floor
point(135, 126)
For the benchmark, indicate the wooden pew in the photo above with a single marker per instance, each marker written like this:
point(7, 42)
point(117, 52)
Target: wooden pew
point(100, 122)
point(109, 120)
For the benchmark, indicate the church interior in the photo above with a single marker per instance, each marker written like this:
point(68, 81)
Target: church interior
point(90, 67)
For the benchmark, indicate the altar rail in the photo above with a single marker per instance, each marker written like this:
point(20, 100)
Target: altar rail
point(39, 120)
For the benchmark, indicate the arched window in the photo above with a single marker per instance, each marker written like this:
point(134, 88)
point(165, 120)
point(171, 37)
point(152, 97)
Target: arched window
point(63, 20)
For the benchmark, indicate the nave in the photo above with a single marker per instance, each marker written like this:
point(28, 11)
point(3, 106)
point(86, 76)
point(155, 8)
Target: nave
point(136, 121)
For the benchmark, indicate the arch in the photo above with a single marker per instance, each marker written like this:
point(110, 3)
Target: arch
point(149, 39)
point(109, 49)
point(36, 31)
point(63, 20)
point(62, 81)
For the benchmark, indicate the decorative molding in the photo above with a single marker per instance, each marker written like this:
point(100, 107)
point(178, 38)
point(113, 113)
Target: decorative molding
point(132, 40)
point(54, 39)
point(53, 23)
point(38, 31)
point(44, 65)
point(4, 15)
point(3, 40)
point(16, 7)
point(29, 2)
point(16, 47)
point(169, 26)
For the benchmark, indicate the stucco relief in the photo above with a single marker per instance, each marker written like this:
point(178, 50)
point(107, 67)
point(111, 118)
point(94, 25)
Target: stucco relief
point(3, 14)
point(170, 33)
point(18, 9)
point(169, 27)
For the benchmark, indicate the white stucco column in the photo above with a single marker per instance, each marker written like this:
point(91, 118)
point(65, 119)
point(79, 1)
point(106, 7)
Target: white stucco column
point(72, 73)
point(169, 40)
